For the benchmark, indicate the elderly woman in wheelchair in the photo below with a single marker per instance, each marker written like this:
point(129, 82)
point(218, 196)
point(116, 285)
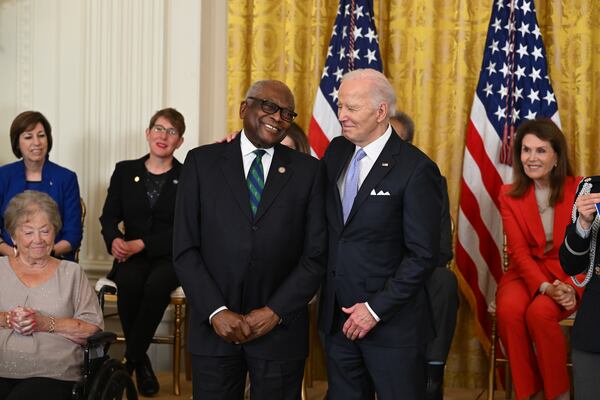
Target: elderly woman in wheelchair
point(47, 307)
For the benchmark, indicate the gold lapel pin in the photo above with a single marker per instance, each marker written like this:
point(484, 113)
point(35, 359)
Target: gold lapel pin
point(281, 170)
point(136, 179)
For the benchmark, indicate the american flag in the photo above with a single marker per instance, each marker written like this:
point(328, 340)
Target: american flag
point(513, 87)
point(354, 44)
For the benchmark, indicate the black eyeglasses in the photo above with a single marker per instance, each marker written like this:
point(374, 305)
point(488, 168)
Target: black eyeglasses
point(271, 108)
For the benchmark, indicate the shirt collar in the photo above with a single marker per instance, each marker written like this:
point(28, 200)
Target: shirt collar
point(248, 147)
point(374, 149)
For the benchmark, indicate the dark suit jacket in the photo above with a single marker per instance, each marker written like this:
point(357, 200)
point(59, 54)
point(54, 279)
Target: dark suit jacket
point(127, 202)
point(389, 245)
point(225, 257)
point(445, 227)
point(575, 259)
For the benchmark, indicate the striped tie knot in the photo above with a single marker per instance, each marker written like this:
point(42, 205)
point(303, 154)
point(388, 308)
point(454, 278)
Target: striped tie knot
point(256, 180)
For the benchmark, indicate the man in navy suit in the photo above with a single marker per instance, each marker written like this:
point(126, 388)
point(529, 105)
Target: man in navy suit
point(250, 250)
point(383, 206)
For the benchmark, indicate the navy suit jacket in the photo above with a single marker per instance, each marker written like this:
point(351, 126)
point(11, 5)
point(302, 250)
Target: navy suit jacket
point(225, 257)
point(389, 245)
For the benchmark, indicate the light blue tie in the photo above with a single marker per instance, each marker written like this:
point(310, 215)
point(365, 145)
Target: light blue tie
point(351, 182)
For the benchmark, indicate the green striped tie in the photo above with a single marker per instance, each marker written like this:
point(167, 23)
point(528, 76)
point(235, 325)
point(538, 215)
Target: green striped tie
point(256, 181)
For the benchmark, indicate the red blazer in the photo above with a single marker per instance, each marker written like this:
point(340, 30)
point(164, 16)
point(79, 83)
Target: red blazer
point(527, 240)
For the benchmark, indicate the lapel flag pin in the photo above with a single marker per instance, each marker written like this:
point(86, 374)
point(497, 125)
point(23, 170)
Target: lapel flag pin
point(385, 164)
point(136, 179)
point(281, 170)
point(175, 181)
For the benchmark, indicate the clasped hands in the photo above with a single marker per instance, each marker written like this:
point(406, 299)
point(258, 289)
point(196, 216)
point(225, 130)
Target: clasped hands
point(562, 293)
point(237, 328)
point(122, 250)
point(26, 321)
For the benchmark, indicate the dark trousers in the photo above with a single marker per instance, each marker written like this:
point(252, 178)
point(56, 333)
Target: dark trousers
point(442, 288)
point(35, 389)
point(144, 288)
point(356, 371)
point(586, 374)
point(224, 378)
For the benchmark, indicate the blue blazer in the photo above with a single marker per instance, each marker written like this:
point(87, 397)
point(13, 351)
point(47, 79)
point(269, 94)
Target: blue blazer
point(60, 183)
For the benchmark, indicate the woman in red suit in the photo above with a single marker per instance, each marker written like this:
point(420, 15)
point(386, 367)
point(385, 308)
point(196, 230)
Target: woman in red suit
point(535, 293)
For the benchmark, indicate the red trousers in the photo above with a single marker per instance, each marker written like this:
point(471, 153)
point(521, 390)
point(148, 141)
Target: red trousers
point(533, 339)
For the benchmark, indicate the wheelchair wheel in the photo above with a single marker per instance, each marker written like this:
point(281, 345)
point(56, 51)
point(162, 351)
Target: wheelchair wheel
point(112, 383)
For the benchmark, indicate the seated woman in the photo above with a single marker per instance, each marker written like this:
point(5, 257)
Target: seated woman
point(47, 306)
point(535, 293)
point(579, 253)
point(31, 140)
point(141, 196)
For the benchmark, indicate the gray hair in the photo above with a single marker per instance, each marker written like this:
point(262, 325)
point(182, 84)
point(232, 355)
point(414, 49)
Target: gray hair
point(381, 89)
point(258, 86)
point(25, 205)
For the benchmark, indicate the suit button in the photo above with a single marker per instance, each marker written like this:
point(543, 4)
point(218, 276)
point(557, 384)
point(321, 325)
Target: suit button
point(254, 228)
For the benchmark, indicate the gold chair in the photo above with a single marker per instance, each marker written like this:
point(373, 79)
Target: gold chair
point(178, 301)
point(495, 341)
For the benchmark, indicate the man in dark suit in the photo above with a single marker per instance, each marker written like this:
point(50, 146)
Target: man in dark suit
point(250, 250)
point(442, 285)
point(383, 210)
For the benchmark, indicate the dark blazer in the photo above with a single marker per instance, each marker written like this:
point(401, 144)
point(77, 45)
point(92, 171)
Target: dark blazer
point(389, 245)
point(225, 257)
point(575, 259)
point(127, 201)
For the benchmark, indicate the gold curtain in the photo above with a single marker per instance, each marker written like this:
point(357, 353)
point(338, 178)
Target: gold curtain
point(432, 52)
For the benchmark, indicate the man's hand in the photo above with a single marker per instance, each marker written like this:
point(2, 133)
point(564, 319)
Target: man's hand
point(231, 326)
point(229, 138)
point(261, 321)
point(359, 323)
point(586, 205)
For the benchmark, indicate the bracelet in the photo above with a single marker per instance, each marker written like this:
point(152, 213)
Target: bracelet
point(52, 325)
point(7, 319)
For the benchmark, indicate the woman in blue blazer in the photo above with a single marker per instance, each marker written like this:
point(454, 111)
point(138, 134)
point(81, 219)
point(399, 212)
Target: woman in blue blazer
point(31, 140)
point(137, 226)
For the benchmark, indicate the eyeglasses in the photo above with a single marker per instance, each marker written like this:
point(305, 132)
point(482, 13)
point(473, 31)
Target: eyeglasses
point(161, 129)
point(271, 108)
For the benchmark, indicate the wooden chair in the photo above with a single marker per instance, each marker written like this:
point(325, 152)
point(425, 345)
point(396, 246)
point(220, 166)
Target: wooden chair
point(178, 301)
point(493, 357)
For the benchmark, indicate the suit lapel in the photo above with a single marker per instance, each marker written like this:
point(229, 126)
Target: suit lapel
point(233, 170)
point(532, 218)
point(277, 176)
point(138, 182)
point(383, 165)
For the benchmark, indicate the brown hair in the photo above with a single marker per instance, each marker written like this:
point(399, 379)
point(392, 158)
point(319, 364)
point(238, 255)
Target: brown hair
point(25, 121)
point(26, 204)
point(546, 130)
point(299, 138)
point(174, 117)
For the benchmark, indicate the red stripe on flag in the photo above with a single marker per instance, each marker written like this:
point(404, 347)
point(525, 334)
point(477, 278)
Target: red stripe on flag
point(489, 174)
point(317, 139)
point(468, 270)
point(487, 245)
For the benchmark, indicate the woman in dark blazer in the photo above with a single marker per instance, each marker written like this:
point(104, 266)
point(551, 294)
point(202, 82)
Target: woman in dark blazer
point(137, 226)
point(535, 294)
point(579, 254)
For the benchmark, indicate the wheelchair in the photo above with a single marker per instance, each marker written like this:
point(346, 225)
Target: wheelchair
point(103, 378)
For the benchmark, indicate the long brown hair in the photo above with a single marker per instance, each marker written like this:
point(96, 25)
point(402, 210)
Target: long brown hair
point(546, 130)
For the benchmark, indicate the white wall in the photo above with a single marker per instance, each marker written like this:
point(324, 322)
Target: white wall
point(98, 70)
